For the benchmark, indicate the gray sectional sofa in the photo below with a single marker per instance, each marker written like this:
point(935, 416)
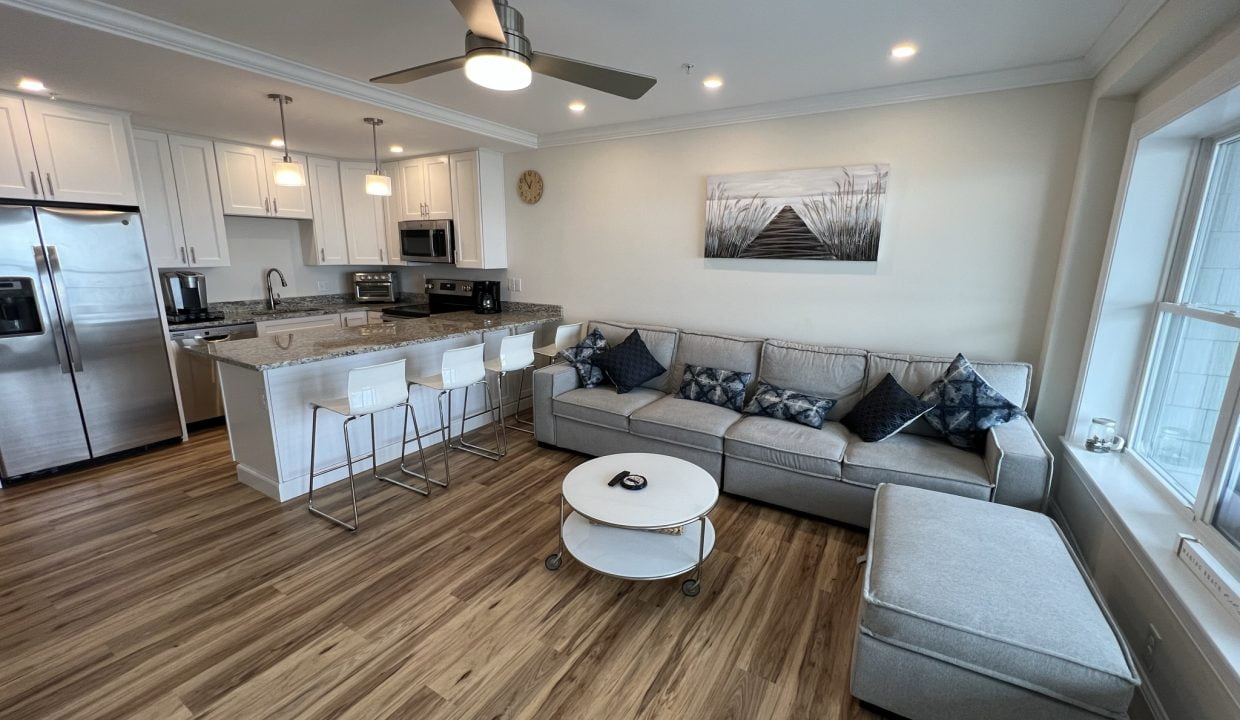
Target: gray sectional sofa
point(829, 472)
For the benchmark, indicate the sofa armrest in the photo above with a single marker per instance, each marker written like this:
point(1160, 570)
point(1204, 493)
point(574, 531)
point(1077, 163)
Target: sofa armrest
point(1019, 463)
point(550, 381)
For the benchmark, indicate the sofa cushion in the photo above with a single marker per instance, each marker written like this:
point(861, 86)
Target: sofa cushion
point(628, 364)
point(776, 402)
point(885, 411)
point(660, 341)
point(725, 388)
point(994, 590)
point(966, 406)
point(603, 405)
point(837, 373)
point(716, 351)
point(916, 372)
point(917, 461)
point(581, 356)
point(684, 422)
point(782, 444)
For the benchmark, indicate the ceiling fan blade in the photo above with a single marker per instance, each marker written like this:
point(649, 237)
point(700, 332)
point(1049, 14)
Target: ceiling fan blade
point(421, 71)
point(609, 80)
point(482, 18)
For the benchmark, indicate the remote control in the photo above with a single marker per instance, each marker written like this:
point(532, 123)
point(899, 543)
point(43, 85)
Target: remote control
point(619, 476)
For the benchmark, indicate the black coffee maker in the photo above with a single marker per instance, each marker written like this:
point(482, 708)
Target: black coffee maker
point(486, 297)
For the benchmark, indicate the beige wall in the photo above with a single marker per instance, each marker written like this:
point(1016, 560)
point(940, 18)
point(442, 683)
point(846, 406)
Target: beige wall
point(978, 196)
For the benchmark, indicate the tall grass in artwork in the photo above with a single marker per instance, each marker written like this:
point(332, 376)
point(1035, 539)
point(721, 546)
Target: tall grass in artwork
point(849, 219)
point(732, 222)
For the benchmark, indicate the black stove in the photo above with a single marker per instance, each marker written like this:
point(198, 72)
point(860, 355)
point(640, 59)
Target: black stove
point(409, 311)
point(194, 317)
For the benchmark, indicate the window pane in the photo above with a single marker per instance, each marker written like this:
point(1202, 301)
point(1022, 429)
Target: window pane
point(1227, 520)
point(1213, 278)
point(1191, 363)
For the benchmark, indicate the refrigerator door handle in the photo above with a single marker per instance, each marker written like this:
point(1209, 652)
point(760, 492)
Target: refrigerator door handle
point(58, 342)
point(53, 261)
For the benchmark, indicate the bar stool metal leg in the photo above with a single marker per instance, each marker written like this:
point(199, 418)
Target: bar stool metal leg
point(348, 455)
point(460, 443)
point(445, 431)
point(404, 444)
point(524, 426)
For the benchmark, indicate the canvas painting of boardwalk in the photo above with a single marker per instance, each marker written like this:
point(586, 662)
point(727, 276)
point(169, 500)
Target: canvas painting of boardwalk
point(818, 214)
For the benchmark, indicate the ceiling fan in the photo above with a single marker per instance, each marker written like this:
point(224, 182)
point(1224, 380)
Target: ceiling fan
point(498, 56)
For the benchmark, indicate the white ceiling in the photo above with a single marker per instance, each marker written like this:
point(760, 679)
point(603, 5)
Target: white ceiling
point(770, 52)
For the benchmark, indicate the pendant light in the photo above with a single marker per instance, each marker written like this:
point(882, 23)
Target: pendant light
point(378, 183)
point(286, 173)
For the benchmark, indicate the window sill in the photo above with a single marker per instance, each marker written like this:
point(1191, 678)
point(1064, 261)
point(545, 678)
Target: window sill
point(1149, 519)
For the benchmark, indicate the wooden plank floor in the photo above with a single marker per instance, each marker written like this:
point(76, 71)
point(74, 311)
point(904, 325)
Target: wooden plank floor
point(159, 587)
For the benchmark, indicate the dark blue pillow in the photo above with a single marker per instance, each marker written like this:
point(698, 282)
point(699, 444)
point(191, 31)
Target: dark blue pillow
point(966, 406)
point(628, 364)
point(581, 356)
point(725, 388)
point(885, 411)
point(782, 404)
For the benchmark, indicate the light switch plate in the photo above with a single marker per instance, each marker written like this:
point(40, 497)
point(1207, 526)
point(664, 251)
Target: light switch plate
point(321, 286)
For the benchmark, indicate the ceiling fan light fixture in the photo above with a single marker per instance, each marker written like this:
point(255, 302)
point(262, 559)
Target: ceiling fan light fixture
point(498, 69)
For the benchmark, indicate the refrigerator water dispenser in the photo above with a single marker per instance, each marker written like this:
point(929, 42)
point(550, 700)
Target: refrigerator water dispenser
point(19, 309)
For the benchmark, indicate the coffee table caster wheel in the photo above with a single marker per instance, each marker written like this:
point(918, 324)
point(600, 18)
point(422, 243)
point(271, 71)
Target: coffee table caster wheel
point(691, 588)
point(552, 562)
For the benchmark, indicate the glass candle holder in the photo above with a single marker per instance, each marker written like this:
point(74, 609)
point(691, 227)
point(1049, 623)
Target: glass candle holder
point(1102, 436)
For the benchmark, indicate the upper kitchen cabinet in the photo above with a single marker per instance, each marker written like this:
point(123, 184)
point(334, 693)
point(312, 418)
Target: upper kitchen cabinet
point(478, 199)
point(19, 175)
point(181, 212)
point(363, 217)
point(425, 189)
point(329, 243)
point(247, 186)
point(77, 154)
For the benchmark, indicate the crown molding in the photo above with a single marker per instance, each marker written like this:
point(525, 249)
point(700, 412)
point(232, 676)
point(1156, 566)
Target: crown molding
point(1029, 76)
point(1127, 22)
point(135, 26)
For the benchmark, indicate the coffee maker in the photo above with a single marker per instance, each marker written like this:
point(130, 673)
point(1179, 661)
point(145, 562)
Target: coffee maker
point(185, 296)
point(486, 297)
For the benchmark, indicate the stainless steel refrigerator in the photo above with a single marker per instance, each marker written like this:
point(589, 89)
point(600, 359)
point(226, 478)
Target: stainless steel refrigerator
point(83, 361)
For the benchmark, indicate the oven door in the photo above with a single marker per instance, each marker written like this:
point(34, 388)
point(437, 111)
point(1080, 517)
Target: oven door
point(425, 242)
point(374, 292)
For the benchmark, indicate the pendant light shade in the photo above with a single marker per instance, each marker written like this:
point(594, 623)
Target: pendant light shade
point(286, 173)
point(377, 183)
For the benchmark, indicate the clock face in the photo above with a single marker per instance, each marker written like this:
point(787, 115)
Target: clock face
point(530, 186)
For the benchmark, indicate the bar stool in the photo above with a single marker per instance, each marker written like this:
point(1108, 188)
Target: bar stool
point(566, 336)
point(516, 354)
point(461, 368)
point(371, 390)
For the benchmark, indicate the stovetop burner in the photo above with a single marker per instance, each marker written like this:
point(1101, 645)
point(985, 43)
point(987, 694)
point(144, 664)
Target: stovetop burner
point(196, 317)
point(409, 311)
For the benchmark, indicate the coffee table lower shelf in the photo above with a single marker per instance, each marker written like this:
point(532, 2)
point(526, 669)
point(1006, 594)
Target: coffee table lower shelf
point(632, 554)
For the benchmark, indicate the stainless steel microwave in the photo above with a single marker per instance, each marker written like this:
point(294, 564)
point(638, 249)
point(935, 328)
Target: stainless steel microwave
point(428, 241)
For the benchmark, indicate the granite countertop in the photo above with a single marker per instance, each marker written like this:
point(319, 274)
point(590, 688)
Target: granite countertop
point(237, 312)
point(307, 346)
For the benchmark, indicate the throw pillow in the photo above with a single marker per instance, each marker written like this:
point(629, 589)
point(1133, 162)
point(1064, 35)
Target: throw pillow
point(781, 404)
point(885, 411)
point(966, 406)
point(581, 357)
point(725, 388)
point(628, 364)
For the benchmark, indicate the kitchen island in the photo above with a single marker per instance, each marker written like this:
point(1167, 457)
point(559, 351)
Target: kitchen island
point(269, 382)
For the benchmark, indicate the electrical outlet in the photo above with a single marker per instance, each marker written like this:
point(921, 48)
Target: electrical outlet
point(322, 286)
point(520, 284)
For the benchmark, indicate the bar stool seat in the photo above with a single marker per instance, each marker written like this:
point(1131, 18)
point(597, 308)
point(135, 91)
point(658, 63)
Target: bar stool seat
point(566, 336)
point(372, 390)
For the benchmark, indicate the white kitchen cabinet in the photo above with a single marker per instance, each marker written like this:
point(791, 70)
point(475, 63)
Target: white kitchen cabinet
point(425, 189)
point(199, 199)
point(478, 199)
point(391, 207)
point(19, 175)
point(243, 180)
point(82, 154)
point(363, 217)
point(329, 242)
point(279, 327)
point(161, 212)
point(288, 202)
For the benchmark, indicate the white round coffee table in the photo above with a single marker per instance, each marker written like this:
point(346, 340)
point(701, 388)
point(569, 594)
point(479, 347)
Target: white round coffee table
point(614, 531)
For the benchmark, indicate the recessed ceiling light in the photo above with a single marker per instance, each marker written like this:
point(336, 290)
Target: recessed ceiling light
point(277, 142)
point(712, 82)
point(577, 106)
point(396, 148)
point(31, 85)
point(903, 50)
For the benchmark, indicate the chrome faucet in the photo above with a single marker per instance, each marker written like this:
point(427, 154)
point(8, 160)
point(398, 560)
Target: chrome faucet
point(272, 298)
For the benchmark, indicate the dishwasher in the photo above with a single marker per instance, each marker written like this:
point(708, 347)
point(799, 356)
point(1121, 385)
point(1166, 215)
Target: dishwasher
point(197, 377)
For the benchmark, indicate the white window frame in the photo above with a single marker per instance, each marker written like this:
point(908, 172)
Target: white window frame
point(1224, 453)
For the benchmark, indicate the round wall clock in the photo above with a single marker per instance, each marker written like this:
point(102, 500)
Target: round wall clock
point(530, 186)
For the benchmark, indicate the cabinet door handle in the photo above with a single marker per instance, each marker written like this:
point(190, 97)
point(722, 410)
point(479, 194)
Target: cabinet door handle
point(267, 205)
point(50, 189)
point(34, 183)
point(322, 255)
point(183, 254)
point(275, 206)
point(193, 255)
point(380, 254)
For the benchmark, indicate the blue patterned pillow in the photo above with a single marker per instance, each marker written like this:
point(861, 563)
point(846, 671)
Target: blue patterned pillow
point(725, 388)
point(629, 364)
point(966, 406)
point(581, 356)
point(781, 404)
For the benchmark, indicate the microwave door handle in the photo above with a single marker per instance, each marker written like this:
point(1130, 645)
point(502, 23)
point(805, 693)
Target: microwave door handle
point(58, 283)
point(58, 341)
